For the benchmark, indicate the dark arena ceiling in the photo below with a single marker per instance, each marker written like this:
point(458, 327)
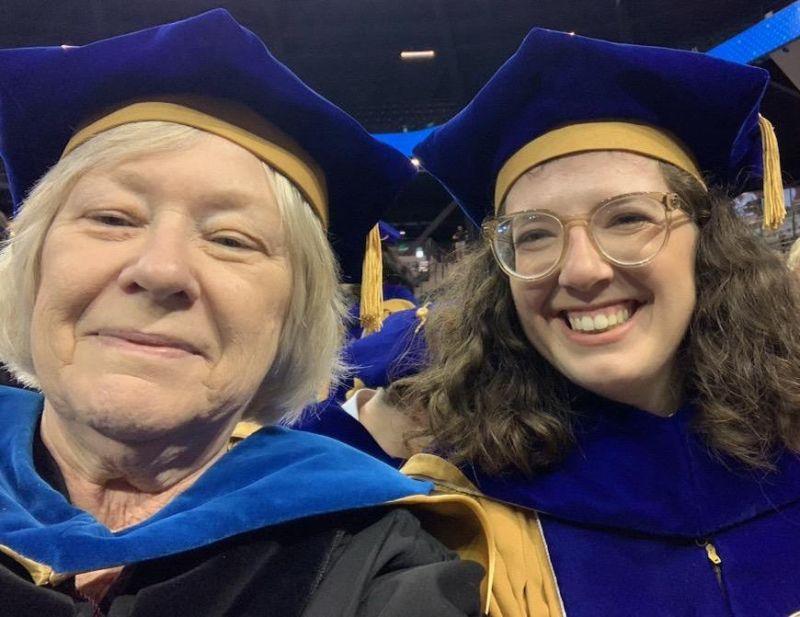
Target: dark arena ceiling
point(349, 50)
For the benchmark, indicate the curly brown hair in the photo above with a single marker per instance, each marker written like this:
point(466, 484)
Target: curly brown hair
point(493, 400)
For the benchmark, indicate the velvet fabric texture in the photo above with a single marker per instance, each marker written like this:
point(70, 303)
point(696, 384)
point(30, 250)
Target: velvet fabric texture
point(389, 234)
point(47, 93)
point(397, 350)
point(274, 476)
point(628, 514)
point(390, 292)
point(556, 79)
point(330, 420)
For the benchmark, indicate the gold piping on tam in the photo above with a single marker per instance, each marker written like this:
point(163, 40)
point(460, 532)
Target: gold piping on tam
point(247, 129)
point(593, 137)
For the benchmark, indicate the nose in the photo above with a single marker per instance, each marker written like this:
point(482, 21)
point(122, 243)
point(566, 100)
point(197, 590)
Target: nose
point(162, 267)
point(583, 268)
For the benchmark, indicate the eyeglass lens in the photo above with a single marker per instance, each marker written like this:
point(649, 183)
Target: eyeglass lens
point(628, 231)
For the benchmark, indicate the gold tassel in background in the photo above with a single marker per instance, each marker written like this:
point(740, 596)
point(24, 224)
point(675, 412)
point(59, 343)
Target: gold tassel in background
point(371, 312)
point(774, 206)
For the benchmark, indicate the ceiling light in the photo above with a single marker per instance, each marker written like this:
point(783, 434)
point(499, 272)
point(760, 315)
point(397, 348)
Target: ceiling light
point(415, 56)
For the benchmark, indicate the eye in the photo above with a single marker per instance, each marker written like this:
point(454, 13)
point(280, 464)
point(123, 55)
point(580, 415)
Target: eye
point(233, 242)
point(630, 218)
point(111, 219)
point(629, 215)
point(532, 237)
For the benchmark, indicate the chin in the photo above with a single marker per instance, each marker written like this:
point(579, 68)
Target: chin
point(643, 391)
point(129, 409)
point(613, 378)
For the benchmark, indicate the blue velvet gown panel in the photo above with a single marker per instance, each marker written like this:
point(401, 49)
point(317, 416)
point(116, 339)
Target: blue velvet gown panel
point(273, 477)
point(629, 515)
point(614, 574)
point(608, 572)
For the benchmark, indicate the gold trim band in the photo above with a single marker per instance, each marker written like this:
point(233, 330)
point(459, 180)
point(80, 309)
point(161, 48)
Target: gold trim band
point(263, 140)
point(592, 137)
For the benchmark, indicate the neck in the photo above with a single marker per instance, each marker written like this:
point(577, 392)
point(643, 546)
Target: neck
point(660, 397)
point(122, 484)
point(388, 425)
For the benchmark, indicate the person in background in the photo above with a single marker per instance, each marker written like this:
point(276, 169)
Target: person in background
point(168, 276)
point(460, 242)
point(616, 368)
point(362, 411)
point(398, 281)
point(386, 284)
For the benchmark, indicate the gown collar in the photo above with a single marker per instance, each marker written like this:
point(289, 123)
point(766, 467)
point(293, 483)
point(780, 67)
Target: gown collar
point(275, 476)
point(638, 472)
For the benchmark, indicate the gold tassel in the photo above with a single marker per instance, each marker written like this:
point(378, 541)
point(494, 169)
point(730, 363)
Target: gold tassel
point(774, 206)
point(371, 312)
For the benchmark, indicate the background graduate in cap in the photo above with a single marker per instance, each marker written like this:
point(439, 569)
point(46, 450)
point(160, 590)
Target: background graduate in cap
point(617, 368)
point(169, 275)
point(362, 410)
point(386, 286)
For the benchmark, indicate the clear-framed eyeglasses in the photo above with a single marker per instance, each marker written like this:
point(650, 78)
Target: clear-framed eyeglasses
point(627, 230)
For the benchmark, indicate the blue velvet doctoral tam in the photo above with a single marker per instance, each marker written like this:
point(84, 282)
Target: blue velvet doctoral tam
point(274, 476)
point(48, 93)
point(637, 513)
point(556, 79)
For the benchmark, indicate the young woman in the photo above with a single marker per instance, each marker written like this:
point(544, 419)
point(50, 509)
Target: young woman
point(616, 370)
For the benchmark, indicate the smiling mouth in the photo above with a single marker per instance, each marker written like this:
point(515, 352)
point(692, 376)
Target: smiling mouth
point(597, 321)
point(153, 342)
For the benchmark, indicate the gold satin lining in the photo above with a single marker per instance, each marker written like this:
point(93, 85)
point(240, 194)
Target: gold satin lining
point(458, 522)
point(251, 132)
point(245, 428)
point(242, 431)
point(40, 573)
point(593, 137)
point(520, 578)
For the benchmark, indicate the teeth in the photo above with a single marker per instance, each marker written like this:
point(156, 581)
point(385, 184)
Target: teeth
point(600, 322)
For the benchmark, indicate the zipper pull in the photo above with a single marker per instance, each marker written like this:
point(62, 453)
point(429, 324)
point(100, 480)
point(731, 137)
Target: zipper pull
point(713, 556)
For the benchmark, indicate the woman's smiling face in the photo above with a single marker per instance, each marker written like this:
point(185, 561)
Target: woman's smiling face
point(612, 330)
point(164, 284)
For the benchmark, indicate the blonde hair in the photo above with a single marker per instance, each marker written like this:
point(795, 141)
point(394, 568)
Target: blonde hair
point(307, 356)
point(793, 258)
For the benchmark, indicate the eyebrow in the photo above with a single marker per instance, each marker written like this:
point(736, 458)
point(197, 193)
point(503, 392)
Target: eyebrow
point(223, 198)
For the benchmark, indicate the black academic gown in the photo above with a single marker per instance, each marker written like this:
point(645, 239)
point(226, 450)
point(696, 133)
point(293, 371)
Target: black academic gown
point(286, 524)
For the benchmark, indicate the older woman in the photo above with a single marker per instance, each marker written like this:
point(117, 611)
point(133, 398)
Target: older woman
point(166, 278)
point(617, 368)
